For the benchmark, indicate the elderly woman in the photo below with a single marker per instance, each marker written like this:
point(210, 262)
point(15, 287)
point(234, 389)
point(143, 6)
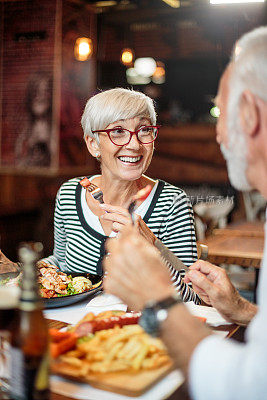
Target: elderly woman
point(119, 130)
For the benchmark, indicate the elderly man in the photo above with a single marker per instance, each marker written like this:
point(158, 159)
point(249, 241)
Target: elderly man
point(216, 369)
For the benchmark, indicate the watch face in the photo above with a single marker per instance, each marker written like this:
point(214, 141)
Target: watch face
point(149, 322)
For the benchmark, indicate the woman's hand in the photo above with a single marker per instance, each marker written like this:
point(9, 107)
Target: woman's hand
point(120, 217)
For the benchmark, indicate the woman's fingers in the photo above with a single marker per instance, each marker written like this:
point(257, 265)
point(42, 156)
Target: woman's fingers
point(118, 215)
point(116, 218)
point(114, 209)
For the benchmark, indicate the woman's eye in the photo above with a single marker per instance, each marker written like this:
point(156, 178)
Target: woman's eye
point(118, 131)
point(145, 129)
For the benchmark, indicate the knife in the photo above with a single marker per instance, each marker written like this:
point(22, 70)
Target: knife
point(169, 256)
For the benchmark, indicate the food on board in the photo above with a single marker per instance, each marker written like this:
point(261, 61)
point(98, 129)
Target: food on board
point(117, 348)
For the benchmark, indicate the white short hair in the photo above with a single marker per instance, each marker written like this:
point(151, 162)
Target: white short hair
point(248, 72)
point(113, 105)
point(249, 60)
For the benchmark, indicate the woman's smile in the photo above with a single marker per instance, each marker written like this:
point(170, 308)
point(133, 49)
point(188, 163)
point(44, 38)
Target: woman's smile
point(131, 160)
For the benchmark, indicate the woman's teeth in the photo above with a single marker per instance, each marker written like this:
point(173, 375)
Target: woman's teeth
point(130, 159)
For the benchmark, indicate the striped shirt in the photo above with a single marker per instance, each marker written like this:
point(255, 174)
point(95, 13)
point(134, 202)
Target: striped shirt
point(79, 248)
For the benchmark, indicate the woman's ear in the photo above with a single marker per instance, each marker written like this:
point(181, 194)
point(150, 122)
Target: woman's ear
point(92, 146)
point(249, 113)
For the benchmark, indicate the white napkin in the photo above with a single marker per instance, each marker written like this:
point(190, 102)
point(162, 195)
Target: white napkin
point(104, 302)
point(83, 391)
point(73, 313)
point(69, 314)
point(210, 313)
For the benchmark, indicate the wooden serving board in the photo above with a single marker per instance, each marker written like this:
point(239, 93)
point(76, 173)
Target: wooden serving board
point(127, 383)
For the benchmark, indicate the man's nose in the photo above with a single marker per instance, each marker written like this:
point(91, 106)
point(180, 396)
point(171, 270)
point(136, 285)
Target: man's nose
point(134, 143)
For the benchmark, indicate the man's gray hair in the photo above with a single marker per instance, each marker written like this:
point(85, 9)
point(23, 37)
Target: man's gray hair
point(249, 60)
point(249, 72)
point(114, 105)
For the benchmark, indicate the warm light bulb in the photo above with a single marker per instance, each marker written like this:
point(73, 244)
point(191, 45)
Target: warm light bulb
point(159, 73)
point(173, 3)
point(127, 56)
point(83, 49)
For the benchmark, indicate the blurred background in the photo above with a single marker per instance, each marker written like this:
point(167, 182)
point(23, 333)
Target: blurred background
point(55, 54)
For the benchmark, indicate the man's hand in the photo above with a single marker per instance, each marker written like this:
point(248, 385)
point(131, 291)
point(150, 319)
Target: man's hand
point(214, 287)
point(135, 272)
point(6, 265)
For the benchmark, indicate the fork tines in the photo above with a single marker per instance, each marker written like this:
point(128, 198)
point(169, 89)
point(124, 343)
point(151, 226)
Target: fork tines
point(95, 191)
point(97, 195)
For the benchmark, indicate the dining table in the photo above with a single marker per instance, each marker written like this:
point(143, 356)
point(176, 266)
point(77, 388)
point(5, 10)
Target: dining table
point(239, 243)
point(172, 386)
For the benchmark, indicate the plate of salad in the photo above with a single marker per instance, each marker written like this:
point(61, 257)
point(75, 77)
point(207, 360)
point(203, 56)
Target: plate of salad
point(61, 289)
point(58, 288)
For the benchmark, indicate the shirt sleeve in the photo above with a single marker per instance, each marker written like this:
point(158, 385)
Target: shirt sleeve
point(227, 370)
point(58, 257)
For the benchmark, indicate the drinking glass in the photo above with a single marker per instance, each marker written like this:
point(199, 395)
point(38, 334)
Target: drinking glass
point(9, 296)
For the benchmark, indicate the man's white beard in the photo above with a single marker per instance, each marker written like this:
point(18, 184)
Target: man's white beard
point(236, 157)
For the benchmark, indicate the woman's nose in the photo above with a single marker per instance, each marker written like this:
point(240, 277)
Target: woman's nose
point(134, 143)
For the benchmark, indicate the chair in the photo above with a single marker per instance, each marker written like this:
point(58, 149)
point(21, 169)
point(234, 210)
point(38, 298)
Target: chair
point(255, 205)
point(211, 215)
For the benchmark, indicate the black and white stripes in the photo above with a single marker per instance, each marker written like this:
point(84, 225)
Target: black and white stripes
point(79, 248)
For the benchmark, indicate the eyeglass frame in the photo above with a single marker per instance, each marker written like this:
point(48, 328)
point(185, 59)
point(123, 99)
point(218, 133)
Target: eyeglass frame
point(131, 134)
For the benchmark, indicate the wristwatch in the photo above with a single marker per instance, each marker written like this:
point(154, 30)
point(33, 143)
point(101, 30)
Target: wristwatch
point(155, 312)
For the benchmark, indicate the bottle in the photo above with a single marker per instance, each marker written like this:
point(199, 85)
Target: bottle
point(29, 337)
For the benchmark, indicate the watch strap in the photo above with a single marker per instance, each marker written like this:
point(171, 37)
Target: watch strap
point(169, 301)
point(155, 312)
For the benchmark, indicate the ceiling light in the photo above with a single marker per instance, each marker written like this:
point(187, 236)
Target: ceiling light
point(215, 2)
point(215, 112)
point(173, 3)
point(127, 56)
point(83, 49)
point(105, 3)
point(145, 66)
point(134, 79)
point(159, 73)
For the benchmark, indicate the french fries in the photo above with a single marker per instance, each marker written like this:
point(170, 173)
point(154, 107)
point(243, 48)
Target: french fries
point(126, 348)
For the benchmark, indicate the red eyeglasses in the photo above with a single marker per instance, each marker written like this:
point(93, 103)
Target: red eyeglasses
point(121, 136)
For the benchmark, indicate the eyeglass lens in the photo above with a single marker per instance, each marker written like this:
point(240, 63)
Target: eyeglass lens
point(122, 136)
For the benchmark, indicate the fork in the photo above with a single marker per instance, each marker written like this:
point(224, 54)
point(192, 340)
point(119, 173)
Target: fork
point(95, 191)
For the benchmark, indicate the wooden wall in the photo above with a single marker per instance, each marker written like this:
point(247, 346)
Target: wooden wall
point(43, 88)
point(185, 155)
point(188, 154)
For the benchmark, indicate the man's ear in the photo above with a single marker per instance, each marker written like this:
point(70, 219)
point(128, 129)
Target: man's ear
point(249, 113)
point(92, 146)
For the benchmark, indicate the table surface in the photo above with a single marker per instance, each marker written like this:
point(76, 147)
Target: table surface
point(181, 393)
point(242, 228)
point(241, 243)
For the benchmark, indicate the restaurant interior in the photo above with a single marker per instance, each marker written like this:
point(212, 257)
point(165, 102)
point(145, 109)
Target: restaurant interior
point(43, 56)
point(56, 54)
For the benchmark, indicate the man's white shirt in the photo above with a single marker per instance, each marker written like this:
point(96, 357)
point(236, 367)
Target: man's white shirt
point(224, 369)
